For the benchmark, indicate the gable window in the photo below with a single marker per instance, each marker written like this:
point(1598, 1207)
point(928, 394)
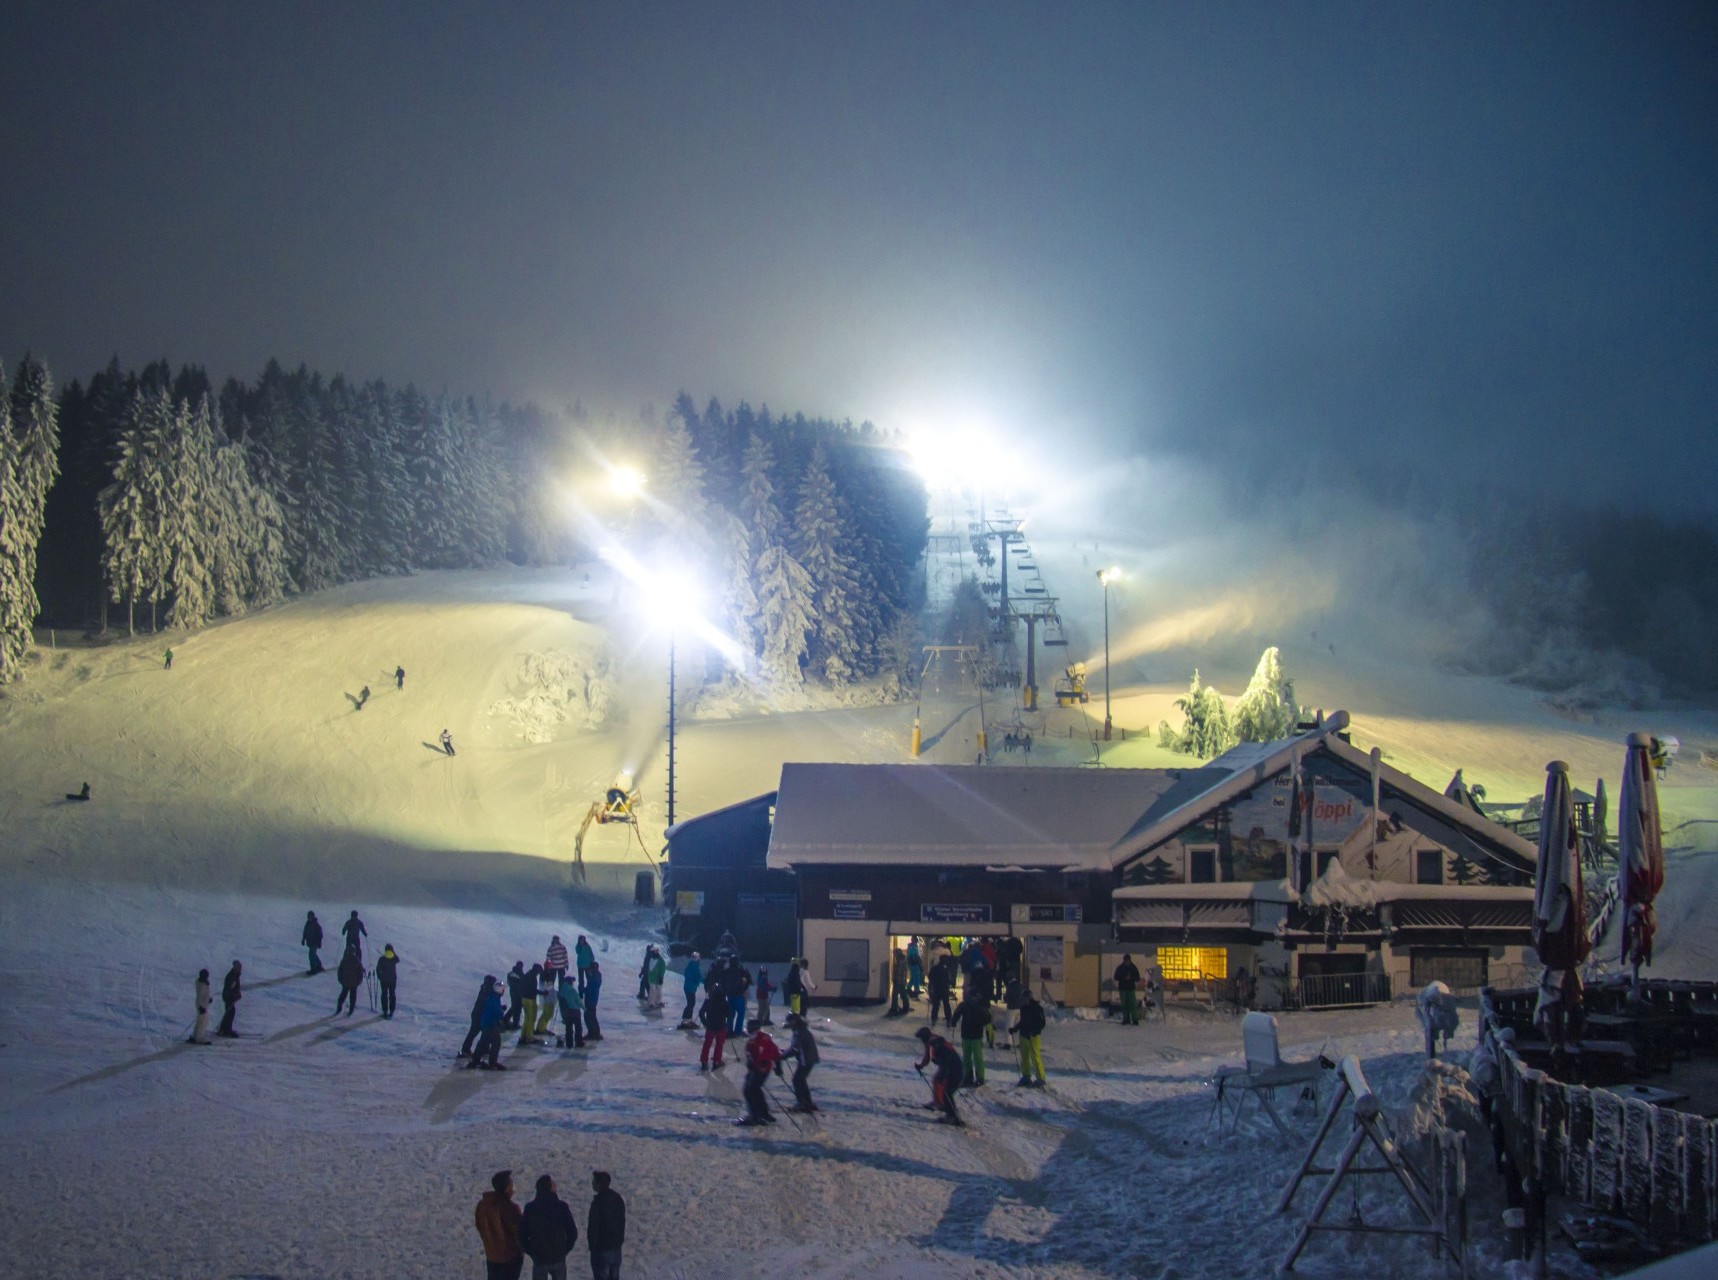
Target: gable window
point(1202, 866)
point(1428, 866)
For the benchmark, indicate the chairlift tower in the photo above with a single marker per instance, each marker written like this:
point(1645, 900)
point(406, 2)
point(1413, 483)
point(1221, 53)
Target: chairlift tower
point(1036, 611)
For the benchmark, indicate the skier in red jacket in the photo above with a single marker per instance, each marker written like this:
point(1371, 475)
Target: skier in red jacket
point(763, 1055)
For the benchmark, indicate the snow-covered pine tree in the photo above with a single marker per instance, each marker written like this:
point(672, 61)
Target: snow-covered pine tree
point(184, 532)
point(133, 505)
point(786, 615)
point(739, 600)
point(388, 500)
point(1206, 731)
point(679, 509)
point(266, 539)
point(29, 463)
point(316, 485)
point(1267, 710)
point(843, 617)
point(758, 509)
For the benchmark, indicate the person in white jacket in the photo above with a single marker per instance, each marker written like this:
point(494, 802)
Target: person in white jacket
point(200, 1034)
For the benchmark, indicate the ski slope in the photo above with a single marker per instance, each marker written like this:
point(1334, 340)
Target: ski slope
point(242, 787)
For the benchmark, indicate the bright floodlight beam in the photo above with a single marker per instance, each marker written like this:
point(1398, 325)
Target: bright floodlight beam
point(626, 481)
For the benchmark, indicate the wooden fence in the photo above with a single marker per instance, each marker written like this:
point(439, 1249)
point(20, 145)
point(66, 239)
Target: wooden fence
point(1651, 1164)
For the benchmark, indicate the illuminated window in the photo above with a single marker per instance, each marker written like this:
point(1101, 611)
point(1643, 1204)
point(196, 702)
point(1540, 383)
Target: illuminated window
point(1188, 964)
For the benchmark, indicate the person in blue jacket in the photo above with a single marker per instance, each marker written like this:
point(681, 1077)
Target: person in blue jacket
point(694, 980)
point(489, 1035)
point(593, 989)
point(584, 959)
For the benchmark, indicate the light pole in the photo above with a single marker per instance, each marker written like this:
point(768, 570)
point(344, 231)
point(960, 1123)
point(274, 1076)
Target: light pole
point(671, 726)
point(1105, 577)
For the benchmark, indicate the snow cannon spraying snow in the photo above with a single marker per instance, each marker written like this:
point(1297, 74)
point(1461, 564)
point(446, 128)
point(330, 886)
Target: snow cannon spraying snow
point(1663, 752)
point(618, 805)
point(1071, 688)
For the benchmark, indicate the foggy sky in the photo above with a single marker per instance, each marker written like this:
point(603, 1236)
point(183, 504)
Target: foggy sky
point(1356, 234)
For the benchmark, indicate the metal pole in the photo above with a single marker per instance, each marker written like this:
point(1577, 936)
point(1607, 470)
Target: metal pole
point(671, 728)
point(1104, 578)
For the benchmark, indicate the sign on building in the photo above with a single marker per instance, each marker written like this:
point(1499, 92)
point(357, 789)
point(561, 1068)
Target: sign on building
point(1046, 913)
point(954, 913)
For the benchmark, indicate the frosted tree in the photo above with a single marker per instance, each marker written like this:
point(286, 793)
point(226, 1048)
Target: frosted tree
point(134, 504)
point(1267, 710)
point(739, 599)
point(845, 626)
point(29, 464)
point(757, 504)
point(184, 534)
point(679, 509)
point(267, 549)
point(1206, 730)
point(786, 615)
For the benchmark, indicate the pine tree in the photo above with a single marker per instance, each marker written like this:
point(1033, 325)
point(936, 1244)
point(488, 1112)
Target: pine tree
point(739, 600)
point(1206, 730)
point(844, 623)
point(786, 615)
point(134, 505)
point(680, 511)
point(1267, 710)
point(184, 533)
point(29, 464)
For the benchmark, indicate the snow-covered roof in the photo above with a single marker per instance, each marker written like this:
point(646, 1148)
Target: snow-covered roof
point(1239, 770)
point(958, 815)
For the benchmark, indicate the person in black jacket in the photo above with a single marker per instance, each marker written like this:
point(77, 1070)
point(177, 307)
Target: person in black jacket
point(605, 1229)
point(521, 989)
point(355, 931)
point(476, 1016)
point(803, 1050)
point(351, 975)
point(973, 1015)
point(547, 1233)
point(946, 1083)
point(1029, 1026)
point(387, 975)
point(312, 938)
point(1127, 983)
point(941, 985)
point(232, 992)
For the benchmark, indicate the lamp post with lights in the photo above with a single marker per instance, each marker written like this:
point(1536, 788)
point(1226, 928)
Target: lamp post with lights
point(1105, 577)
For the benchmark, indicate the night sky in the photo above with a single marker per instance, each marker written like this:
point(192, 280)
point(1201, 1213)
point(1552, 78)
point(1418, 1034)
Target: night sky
point(1374, 236)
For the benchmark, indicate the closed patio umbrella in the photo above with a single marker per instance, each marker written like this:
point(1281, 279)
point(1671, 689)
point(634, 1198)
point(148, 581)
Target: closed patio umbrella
point(1640, 853)
point(1559, 911)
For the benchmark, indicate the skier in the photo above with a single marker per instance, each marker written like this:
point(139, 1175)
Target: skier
point(946, 1083)
point(593, 989)
point(548, 990)
point(763, 1055)
point(644, 972)
point(693, 979)
point(915, 969)
point(387, 975)
point(350, 972)
point(167, 660)
point(658, 970)
point(200, 1033)
point(898, 1003)
point(521, 995)
point(1030, 1027)
point(974, 1018)
point(232, 991)
point(79, 796)
point(572, 1015)
point(447, 742)
point(556, 958)
point(546, 1232)
point(803, 1050)
point(399, 677)
point(498, 1220)
point(312, 939)
point(793, 986)
point(739, 983)
point(489, 1040)
point(363, 697)
point(583, 956)
point(941, 983)
point(765, 989)
point(605, 1228)
point(355, 932)
point(1011, 958)
point(476, 1015)
point(714, 1019)
point(1127, 983)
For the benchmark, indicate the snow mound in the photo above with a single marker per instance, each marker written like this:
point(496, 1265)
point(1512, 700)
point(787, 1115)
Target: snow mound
point(557, 688)
point(1336, 888)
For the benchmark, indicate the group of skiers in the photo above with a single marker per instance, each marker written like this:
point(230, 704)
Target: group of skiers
point(544, 1230)
point(570, 986)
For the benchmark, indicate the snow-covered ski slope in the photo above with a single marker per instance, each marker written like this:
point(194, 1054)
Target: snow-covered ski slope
point(241, 788)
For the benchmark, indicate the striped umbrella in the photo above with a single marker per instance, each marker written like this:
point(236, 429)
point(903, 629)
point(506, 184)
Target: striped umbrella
point(1559, 909)
point(1640, 853)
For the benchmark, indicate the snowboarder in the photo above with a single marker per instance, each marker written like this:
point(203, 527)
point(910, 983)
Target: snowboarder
point(546, 1232)
point(644, 972)
point(583, 957)
point(79, 797)
point(200, 1033)
point(803, 1050)
point(690, 982)
point(898, 1002)
point(974, 1018)
point(765, 989)
point(355, 932)
point(658, 971)
point(1127, 984)
point(232, 991)
point(572, 1014)
point(915, 969)
point(593, 989)
point(447, 742)
point(311, 939)
point(498, 1220)
point(399, 677)
point(387, 976)
point(167, 660)
point(489, 1038)
point(548, 992)
point(941, 983)
point(556, 957)
point(351, 975)
point(763, 1055)
point(739, 983)
point(714, 1019)
point(605, 1228)
point(1029, 1027)
point(946, 1083)
point(476, 1015)
point(363, 697)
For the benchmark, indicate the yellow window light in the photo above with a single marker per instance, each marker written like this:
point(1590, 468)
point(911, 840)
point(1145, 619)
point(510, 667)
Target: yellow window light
point(1189, 964)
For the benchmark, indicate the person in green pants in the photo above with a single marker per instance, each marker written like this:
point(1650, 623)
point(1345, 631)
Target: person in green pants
point(973, 1015)
point(1127, 983)
point(1029, 1027)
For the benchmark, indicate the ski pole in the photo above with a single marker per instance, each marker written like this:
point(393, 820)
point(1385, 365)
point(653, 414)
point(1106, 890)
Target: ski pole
point(770, 1094)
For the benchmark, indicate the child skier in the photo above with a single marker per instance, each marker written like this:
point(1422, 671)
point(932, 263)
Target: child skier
point(714, 1019)
point(803, 1050)
point(946, 1083)
point(763, 1055)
